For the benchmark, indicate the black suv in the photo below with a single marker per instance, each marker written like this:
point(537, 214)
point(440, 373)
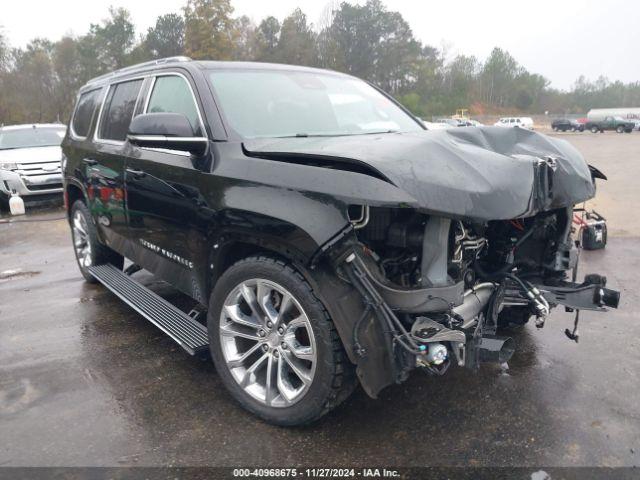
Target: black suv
point(566, 124)
point(326, 238)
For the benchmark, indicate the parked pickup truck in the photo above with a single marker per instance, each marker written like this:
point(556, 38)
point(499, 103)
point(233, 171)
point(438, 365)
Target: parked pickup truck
point(610, 123)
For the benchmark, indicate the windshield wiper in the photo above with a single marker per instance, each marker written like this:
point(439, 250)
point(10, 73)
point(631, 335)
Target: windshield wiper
point(312, 135)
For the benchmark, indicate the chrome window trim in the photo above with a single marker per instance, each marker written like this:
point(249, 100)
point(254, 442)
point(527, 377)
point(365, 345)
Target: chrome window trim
point(193, 96)
point(108, 141)
point(164, 137)
point(72, 131)
point(195, 101)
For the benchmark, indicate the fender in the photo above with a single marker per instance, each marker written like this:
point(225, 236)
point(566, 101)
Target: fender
point(70, 181)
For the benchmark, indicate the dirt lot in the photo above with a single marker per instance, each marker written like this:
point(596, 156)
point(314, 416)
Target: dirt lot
point(84, 380)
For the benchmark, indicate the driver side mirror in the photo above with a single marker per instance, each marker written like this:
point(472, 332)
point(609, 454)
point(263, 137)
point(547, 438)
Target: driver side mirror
point(171, 131)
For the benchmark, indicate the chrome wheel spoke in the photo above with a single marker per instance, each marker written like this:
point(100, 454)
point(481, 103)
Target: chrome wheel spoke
point(250, 372)
point(298, 322)
point(250, 297)
point(81, 240)
point(270, 389)
point(286, 391)
point(285, 304)
point(234, 314)
point(302, 373)
point(229, 331)
point(78, 224)
point(240, 360)
point(273, 359)
point(302, 352)
point(263, 292)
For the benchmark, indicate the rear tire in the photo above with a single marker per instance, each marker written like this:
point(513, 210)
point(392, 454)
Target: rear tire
point(86, 245)
point(620, 129)
point(290, 377)
point(595, 129)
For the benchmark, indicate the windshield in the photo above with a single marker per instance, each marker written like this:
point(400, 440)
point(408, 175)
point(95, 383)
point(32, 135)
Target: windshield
point(270, 103)
point(31, 137)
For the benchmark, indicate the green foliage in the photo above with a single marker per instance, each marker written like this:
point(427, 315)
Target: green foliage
point(297, 41)
point(267, 36)
point(209, 29)
point(40, 82)
point(166, 38)
point(245, 47)
point(372, 43)
point(115, 37)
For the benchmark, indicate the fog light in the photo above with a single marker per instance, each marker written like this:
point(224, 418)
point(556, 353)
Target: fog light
point(437, 354)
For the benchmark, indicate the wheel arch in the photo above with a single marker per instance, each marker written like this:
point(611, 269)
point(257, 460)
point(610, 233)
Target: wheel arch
point(73, 191)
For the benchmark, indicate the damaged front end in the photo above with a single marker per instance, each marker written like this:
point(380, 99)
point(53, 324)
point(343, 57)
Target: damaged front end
point(433, 291)
point(452, 235)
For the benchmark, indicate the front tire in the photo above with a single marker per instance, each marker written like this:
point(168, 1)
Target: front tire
point(620, 129)
point(86, 245)
point(595, 129)
point(274, 345)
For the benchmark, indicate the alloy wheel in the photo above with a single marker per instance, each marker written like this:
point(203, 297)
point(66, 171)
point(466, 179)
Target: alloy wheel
point(267, 342)
point(81, 239)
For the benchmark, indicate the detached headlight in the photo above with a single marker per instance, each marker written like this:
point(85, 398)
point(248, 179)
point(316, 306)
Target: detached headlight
point(8, 166)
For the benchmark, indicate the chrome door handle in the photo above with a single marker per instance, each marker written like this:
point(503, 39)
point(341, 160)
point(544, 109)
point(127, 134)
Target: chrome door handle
point(89, 161)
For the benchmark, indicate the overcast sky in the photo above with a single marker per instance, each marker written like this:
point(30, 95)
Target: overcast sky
point(561, 39)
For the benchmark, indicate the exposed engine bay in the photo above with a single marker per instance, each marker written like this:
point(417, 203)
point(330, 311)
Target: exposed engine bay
point(452, 235)
point(442, 288)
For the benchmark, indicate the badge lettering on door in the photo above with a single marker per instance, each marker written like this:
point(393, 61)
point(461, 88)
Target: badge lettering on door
point(165, 253)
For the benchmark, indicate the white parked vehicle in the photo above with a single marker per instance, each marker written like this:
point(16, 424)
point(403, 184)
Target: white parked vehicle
point(30, 160)
point(511, 122)
point(435, 126)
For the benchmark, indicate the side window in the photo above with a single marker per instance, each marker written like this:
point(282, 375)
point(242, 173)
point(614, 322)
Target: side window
point(172, 94)
point(84, 111)
point(118, 110)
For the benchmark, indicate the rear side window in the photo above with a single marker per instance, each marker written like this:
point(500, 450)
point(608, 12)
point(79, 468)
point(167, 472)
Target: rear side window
point(172, 94)
point(84, 111)
point(118, 110)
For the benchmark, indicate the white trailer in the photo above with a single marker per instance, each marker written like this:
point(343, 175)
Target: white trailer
point(599, 114)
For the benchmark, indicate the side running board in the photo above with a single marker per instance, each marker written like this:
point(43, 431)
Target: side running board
point(187, 332)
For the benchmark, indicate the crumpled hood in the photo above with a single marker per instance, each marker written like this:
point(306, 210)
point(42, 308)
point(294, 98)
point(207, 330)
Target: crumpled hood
point(486, 173)
point(31, 155)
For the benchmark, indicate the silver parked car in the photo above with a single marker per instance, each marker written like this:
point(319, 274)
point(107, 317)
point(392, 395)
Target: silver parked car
point(30, 158)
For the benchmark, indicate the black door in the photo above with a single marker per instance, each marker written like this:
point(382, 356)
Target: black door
point(105, 167)
point(168, 215)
